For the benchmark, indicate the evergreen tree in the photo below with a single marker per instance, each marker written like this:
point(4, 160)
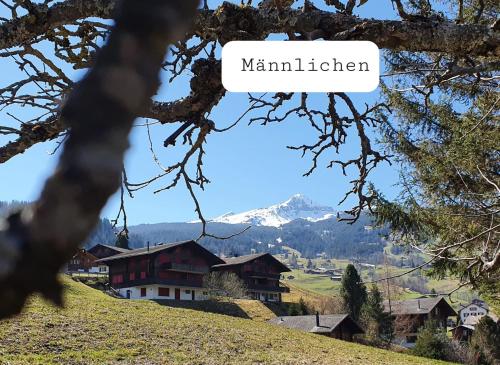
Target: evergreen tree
point(432, 342)
point(379, 324)
point(353, 291)
point(309, 264)
point(450, 175)
point(122, 240)
point(485, 341)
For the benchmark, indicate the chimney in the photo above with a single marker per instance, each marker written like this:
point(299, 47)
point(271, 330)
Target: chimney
point(148, 246)
point(317, 319)
point(418, 302)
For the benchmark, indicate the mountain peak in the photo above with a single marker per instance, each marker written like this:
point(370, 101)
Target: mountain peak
point(298, 206)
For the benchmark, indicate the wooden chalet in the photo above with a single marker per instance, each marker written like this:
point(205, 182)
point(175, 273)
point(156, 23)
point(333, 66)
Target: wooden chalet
point(82, 261)
point(165, 271)
point(340, 326)
point(464, 330)
point(411, 314)
point(260, 273)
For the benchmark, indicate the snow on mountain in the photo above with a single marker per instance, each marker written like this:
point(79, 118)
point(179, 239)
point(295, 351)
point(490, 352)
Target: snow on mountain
point(298, 206)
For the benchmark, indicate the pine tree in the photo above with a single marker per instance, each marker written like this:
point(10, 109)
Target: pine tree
point(485, 341)
point(378, 322)
point(309, 264)
point(122, 240)
point(353, 291)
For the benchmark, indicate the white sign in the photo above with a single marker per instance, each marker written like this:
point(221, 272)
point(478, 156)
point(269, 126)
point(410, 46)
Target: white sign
point(300, 66)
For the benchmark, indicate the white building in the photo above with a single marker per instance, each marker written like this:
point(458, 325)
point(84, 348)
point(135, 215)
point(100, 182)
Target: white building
point(156, 292)
point(477, 308)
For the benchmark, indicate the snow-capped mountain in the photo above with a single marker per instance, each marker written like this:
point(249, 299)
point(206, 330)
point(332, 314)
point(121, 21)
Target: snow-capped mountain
point(298, 206)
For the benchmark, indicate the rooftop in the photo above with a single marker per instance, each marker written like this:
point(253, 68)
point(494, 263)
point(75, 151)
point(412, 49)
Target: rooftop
point(327, 322)
point(230, 261)
point(153, 249)
point(416, 306)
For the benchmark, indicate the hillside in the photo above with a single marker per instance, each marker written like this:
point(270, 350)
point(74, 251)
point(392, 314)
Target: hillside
point(329, 236)
point(97, 329)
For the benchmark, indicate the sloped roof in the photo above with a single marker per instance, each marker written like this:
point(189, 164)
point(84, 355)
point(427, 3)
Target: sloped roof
point(231, 261)
point(327, 322)
point(157, 248)
point(117, 249)
point(416, 306)
point(477, 303)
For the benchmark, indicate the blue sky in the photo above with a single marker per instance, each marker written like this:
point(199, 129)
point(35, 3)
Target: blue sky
point(249, 166)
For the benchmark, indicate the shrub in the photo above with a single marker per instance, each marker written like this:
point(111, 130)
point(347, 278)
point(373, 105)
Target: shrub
point(432, 342)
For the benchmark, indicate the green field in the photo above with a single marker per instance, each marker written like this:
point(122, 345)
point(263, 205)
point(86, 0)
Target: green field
point(97, 329)
point(321, 284)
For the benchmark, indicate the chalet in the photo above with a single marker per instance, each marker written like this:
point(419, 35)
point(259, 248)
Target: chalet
point(260, 273)
point(165, 271)
point(340, 326)
point(464, 331)
point(84, 261)
point(411, 314)
point(476, 308)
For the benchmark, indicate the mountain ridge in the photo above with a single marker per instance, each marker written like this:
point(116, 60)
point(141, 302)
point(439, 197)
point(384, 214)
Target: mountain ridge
point(298, 206)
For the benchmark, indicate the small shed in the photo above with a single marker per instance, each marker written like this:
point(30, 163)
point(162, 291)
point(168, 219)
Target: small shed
point(340, 326)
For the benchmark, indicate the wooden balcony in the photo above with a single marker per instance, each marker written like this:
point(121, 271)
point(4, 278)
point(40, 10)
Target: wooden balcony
point(158, 281)
point(258, 274)
point(266, 288)
point(172, 266)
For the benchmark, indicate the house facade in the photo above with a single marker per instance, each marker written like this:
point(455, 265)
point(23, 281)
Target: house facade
point(340, 326)
point(477, 308)
point(411, 314)
point(261, 274)
point(167, 271)
point(101, 251)
point(84, 262)
point(465, 330)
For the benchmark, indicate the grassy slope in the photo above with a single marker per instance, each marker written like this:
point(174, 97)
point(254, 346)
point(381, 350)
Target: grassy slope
point(321, 284)
point(97, 329)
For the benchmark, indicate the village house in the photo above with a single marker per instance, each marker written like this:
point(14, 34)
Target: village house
point(340, 326)
point(476, 308)
point(101, 251)
point(464, 331)
point(469, 315)
point(260, 273)
point(411, 314)
point(84, 262)
point(165, 271)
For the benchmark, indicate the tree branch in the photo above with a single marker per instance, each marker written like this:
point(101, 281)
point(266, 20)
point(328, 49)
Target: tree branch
point(35, 243)
point(232, 22)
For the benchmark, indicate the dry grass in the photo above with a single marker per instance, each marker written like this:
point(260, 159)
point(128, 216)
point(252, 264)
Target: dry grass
point(97, 329)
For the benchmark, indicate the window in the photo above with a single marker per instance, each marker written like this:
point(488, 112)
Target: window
point(163, 292)
point(187, 291)
point(132, 276)
point(143, 274)
point(205, 293)
point(117, 279)
point(143, 292)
